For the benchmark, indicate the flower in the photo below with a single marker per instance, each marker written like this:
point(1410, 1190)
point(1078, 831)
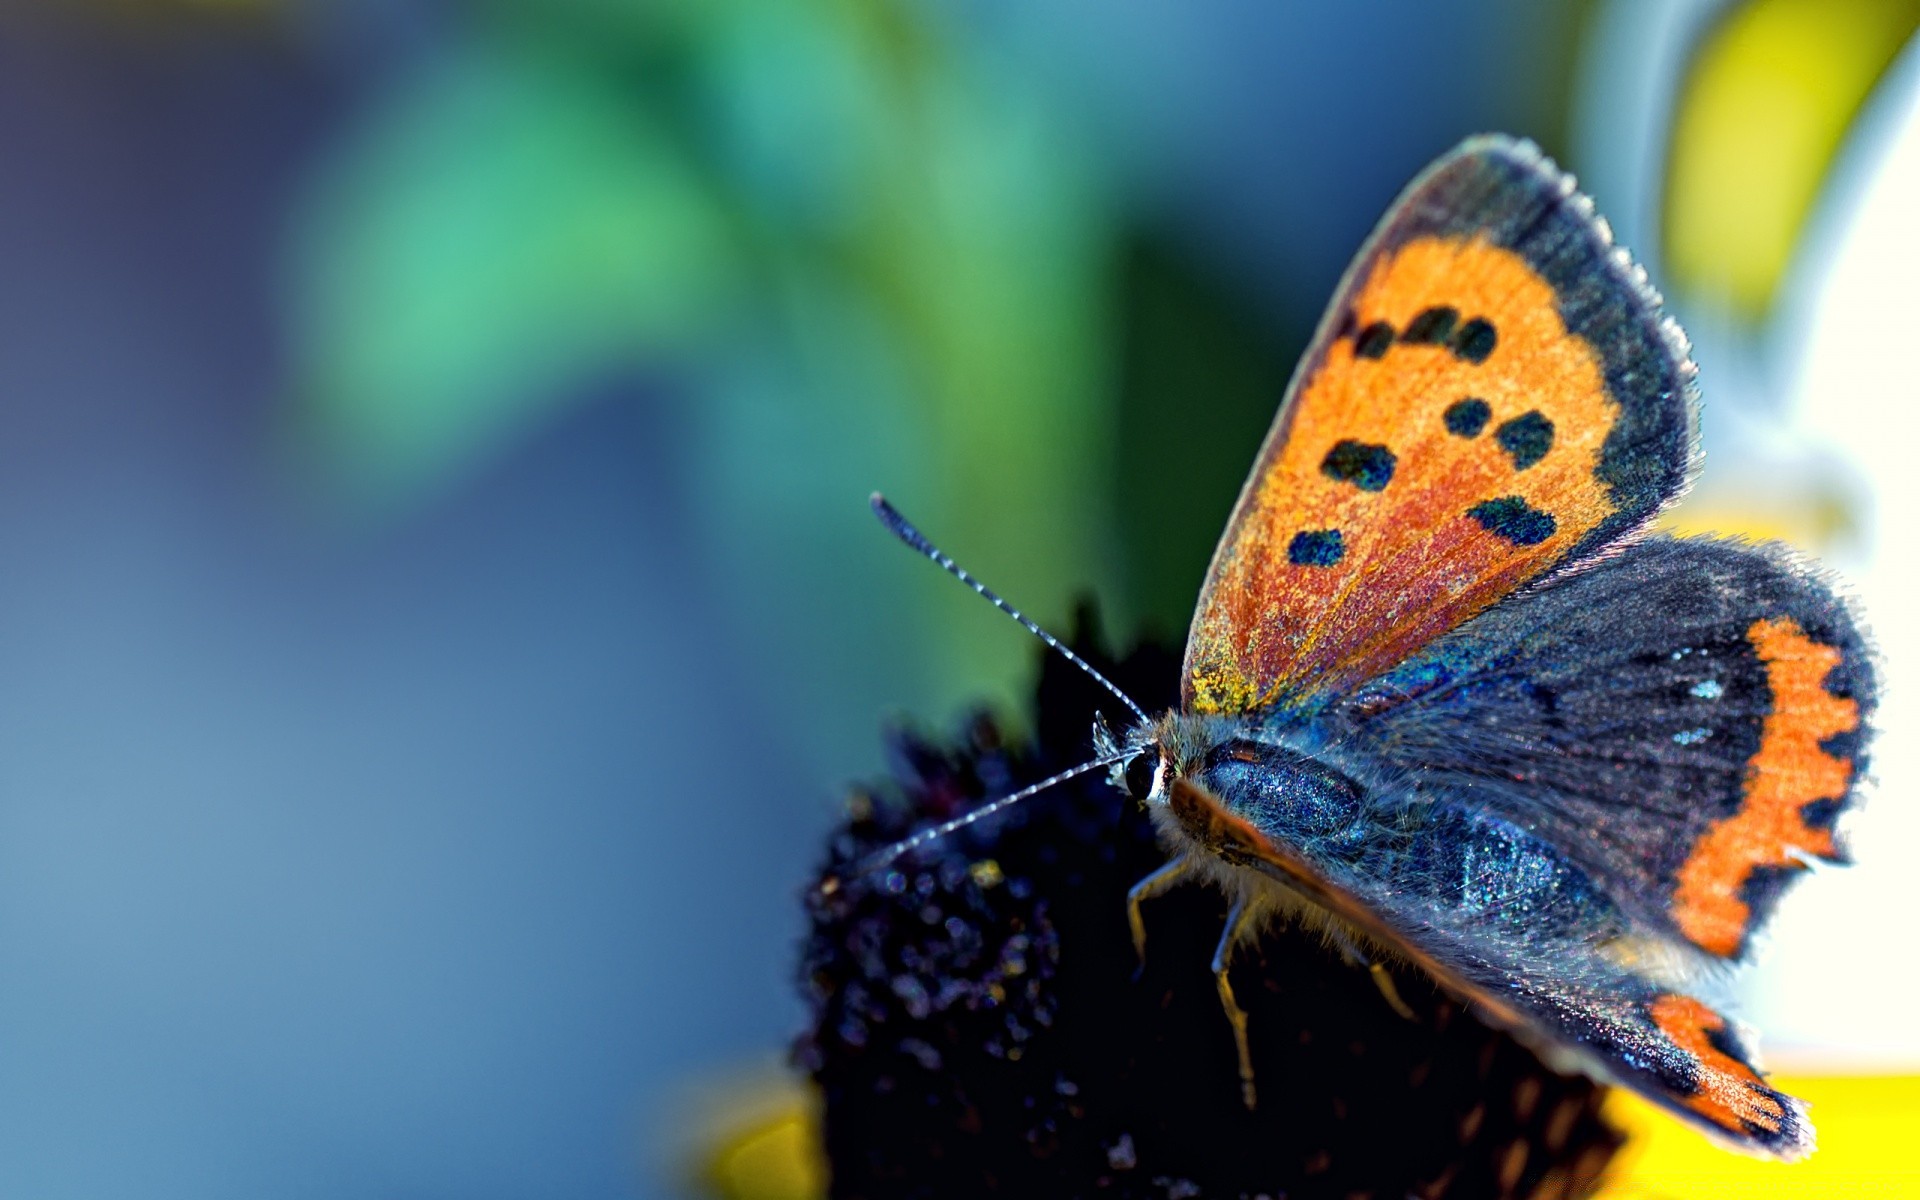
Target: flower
point(981, 1025)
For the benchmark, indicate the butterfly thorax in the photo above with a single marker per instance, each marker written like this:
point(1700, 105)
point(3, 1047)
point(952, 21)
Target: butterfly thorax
point(1250, 775)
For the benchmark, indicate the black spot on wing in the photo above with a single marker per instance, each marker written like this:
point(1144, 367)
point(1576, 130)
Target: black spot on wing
point(1526, 438)
point(1373, 341)
point(1316, 548)
point(1366, 466)
point(1761, 891)
point(1821, 814)
point(1845, 745)
point(1432, 327)
point(1475, 340)
point(1466, 418)
point(1514, 519)
point(1507, 194)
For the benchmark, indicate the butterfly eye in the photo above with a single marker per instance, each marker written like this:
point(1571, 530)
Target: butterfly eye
point(1140, 770)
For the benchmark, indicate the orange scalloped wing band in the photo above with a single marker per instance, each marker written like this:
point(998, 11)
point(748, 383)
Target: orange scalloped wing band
point(1417, 477)
point(1789, 771)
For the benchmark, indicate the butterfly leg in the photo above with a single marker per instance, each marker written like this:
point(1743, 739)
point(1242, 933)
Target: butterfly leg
point(1239, 920)
point(1147, 889)
point(1384, 981)
point(1382, 978)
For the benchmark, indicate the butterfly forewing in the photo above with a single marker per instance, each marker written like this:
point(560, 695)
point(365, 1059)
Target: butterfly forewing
point(1493, 395)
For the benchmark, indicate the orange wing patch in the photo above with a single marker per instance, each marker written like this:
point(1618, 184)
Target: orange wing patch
point(1443, 453)
point(1789, 771)
point(1731, 1094)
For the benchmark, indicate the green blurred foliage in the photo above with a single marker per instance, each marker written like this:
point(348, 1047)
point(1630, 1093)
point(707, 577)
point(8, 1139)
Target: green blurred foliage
point(847, 245)
point(1201, 375)
point(859, 253)
point(502, 225)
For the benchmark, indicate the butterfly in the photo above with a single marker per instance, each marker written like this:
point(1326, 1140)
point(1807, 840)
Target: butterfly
point(1446, 696)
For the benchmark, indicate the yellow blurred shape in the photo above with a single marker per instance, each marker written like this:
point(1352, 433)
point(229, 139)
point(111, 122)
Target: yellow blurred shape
point(1866, 1125)
point(1808, 520)
point(1758, 120)
point(777, 1160)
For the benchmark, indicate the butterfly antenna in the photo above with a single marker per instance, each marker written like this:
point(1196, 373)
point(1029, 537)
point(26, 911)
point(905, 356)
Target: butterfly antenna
point(904, 530)
point(880, 858)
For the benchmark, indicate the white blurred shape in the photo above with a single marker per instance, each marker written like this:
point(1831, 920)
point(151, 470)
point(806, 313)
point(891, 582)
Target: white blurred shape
point(1840, 989)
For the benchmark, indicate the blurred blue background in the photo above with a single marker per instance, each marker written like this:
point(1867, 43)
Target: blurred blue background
point(438, 611)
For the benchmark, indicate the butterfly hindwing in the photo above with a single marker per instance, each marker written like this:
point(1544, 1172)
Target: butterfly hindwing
point(1493, 394)
point(1684, 722)
point(1668, 1046)
point(1493, 913)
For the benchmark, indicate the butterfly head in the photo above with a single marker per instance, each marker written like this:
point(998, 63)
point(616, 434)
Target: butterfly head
point(1153, 753)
